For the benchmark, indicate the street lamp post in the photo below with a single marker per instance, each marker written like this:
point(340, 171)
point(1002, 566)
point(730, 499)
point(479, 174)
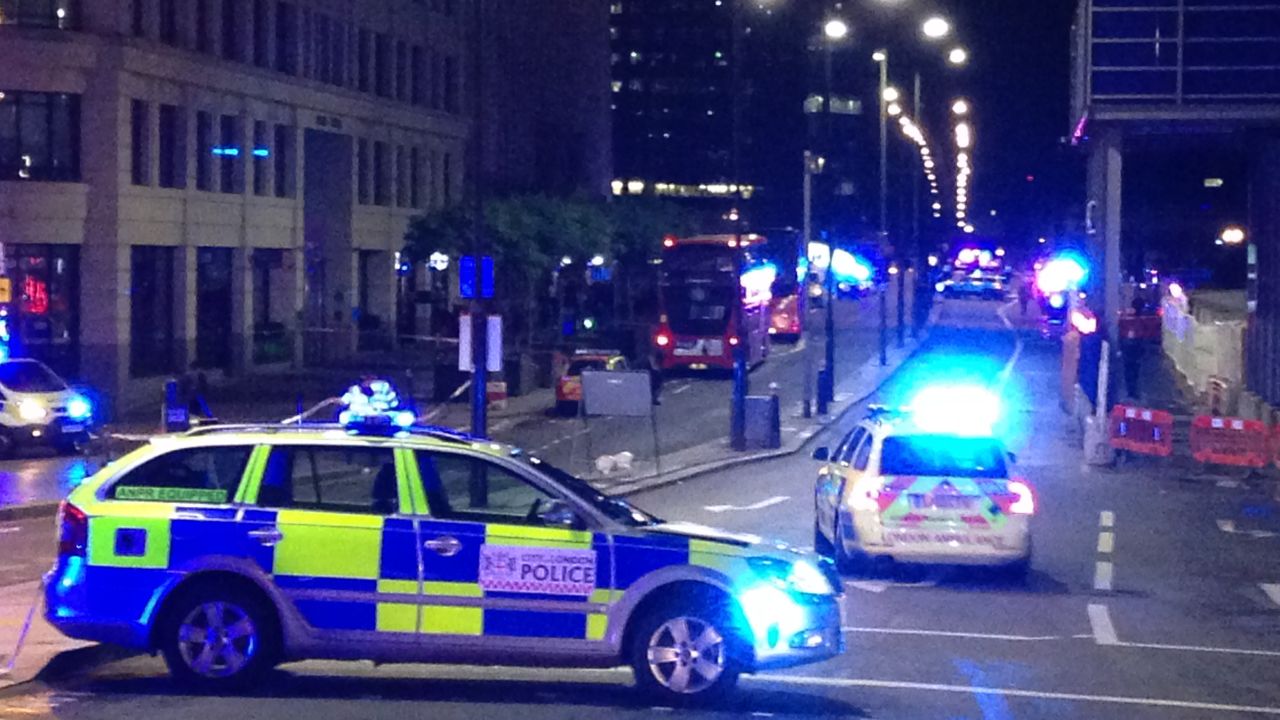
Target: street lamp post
point(479, 323)
point(835, 30)
point(882, 57)
point(741, 378)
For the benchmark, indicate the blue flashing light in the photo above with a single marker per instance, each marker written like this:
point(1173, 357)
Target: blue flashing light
point(850, 267)
point(262, 152)
point(1057, 301)
point(404, 419)
point(967, 410)
point(226, 151)
point(1062, 273)
point(374, 406)
point(79, 408)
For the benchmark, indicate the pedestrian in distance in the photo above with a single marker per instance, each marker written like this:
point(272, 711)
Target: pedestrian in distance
point(1024, 294)
point(1131, 351)
point(653, 361)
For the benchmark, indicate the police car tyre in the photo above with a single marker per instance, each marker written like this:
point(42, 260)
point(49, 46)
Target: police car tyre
point(821, 544)
point(688, 651)
point(218, 638)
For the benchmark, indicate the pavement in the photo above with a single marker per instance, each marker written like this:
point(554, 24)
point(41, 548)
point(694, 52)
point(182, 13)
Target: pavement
point(1154, 593)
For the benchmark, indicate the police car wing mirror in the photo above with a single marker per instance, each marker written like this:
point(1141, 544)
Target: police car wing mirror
point(822, 454)
point(558, 513)
point(1013, 458)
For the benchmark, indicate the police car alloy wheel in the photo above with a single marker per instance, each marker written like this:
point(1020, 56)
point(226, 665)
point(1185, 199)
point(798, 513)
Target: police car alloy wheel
point(215, 640)
point(686, 654)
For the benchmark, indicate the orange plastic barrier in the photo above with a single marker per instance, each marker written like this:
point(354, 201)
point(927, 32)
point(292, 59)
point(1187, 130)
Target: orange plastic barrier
point(1231, 441)
point(1142, 431)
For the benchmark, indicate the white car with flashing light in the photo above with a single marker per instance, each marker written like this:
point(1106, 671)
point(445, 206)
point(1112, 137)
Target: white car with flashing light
point(37, 407)
point(913, 486)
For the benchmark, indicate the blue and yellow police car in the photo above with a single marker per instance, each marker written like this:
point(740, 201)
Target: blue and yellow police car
point(231, 549)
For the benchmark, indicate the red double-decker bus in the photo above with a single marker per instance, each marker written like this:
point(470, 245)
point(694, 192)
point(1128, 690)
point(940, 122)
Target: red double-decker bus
point(712, 286)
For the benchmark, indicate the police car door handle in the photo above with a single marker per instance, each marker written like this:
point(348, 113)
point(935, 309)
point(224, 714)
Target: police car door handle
point(446, 546)
point(267, 536)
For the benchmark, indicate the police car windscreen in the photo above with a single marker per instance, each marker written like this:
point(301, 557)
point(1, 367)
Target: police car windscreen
point(942, 456)
point(32, 377)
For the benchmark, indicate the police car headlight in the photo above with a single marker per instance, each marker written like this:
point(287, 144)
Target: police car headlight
point(32, 411)
point(801, 576)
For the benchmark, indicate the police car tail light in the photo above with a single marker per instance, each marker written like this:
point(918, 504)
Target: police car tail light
point(864, 495)
point(1024, 502)
point(73, 530)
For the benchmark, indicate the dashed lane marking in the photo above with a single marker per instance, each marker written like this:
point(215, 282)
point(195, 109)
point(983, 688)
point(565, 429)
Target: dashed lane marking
point(1104, 633)
point(1102, 575)
point(1016, 693)
point(776, 500)
point(1106, 519)
point(681, 388)
point(1272, 591)
point(1106, 542)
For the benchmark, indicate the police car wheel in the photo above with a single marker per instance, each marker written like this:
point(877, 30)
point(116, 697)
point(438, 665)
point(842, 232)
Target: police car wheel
point(821, 544)
point(847, 563)
point(686, 653)
point(218, 639)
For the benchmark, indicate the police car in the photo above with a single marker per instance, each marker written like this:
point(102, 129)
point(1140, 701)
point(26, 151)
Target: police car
point(907, 485)
point(569, 385)
point(231, 549)
point(37, 407)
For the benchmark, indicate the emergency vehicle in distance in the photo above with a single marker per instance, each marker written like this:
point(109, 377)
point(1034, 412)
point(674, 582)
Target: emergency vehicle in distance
point(569, 384)
point(715, 293)
point(925, 484)
point(232, 549)
point(38, 407)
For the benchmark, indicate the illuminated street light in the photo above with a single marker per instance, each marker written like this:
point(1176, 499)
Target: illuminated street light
point(964, 136)
point(895, 109)
point(836, 29)
point(958, 56)
point(960, 107)
point(879, 56)
point(1232, 235)
point(936, 28)
point(970, 229)
point(891, 94)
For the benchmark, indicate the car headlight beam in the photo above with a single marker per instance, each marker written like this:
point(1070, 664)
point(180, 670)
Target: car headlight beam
point(32, 411)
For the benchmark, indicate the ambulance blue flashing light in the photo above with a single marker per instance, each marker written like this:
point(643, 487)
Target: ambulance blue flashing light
point(1057, 301)
point(966, 410)
point(79, 408)
point(848, 266)
point(1062, 273)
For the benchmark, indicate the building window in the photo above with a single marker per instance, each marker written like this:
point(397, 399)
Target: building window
point(446, 178)
point(169, 22)
point(204, 29)
point(338, 53)
point(138, 26)
point(61, 14)
point(402, 176)
point(415, 178)
point(418, 94)
point(402, 71)
point(151, 307)
point(306, 67)
point(437, 81)
point(262, 33)
point(433, 167)
point(284, 161)
point(286, 38)
point(46, 311)
point(173, 147)
point(228, 152)
point(261, 158)
point(39, 136)
point(381, 174)
point(231, 37)
point(140, 136)
point(321, 49)
point(364, 48)
point(204, 151)
point(362, 171)
point(382, 65)
point(451, 84)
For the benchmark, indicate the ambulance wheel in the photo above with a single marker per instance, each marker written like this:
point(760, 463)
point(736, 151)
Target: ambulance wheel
point(847, 563)
point(216, 639)
point(687, 652)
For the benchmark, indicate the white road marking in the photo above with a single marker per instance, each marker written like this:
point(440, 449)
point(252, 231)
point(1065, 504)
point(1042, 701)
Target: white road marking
point(1106, 542)
point(776, 500)
point(1227, 526)
point(1272, 590)
point(1102, 572)
point(951, 634)
point(1106, 519)
point(1200, 648)
point(1104, 633)
point(1014, 692)
point(6, 530)
point(875, 586)
point(681, 388)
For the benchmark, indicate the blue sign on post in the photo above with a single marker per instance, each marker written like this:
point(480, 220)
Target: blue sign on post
point(467, 277)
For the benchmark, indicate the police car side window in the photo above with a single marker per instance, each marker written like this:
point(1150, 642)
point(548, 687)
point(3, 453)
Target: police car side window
point(850, 447)
point(193, 475)
point(863, 456)
point(332, 479)
point(461, 487)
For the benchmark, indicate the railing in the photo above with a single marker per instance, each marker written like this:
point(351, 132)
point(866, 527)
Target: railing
point(1179, 53)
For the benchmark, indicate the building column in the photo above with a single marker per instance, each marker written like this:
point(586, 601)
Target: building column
point(1105, 184)
point(241, 310)
point(185, 288)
